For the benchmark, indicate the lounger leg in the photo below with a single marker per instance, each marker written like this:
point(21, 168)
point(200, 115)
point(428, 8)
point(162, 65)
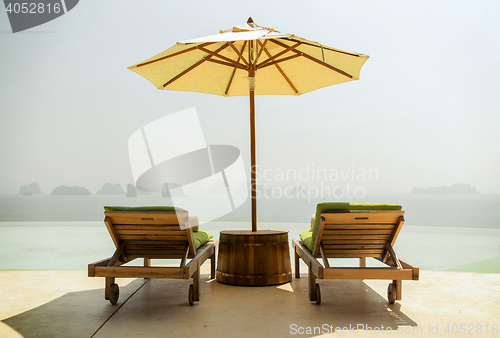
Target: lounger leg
point(212, 265)
point(147, 263)
point(312, 285)
point(399, 289)
point(297, 264)
point(362, 262)
point(107, 288)
point(196, 283)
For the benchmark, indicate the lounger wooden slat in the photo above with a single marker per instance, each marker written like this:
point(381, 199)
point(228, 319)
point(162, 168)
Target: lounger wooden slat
point(166, 227)
point(375, 252)
point(354, 241)
point(157, 242)
point(356, 246)
point(119, 217)
point(152, 235)
point(160, 251)
point(347, 255)
point(356, 234)
point(152, 254)
point(373, 217)
point(155, 246)
point(157, 256)
point(376, 226)
point(159, 232)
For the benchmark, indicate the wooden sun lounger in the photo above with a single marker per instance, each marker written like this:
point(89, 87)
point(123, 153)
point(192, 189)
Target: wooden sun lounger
point(356, 234)
point(152, 235)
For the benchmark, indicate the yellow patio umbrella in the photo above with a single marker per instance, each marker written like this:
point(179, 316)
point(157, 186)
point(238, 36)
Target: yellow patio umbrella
point(250, 60)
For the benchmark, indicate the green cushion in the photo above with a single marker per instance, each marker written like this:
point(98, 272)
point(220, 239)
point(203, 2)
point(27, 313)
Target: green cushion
point(201, 237)
point(345, 207)
point(306, 237)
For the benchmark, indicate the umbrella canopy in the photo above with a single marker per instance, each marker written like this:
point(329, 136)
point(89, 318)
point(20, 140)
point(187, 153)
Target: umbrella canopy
point(250, 60)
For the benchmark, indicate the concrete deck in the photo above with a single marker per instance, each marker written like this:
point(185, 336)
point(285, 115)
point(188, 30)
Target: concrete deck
point(70, 304)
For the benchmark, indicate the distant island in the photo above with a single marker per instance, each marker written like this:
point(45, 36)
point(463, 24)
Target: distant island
point(166, 190)
point(31, 189)
point(106, 189)
point(111, 189)
point(63, 190)
point(131, 191)
point(455, 189)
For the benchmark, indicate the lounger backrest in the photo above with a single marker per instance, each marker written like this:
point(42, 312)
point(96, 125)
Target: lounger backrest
point(150, 234)
point(357, 233)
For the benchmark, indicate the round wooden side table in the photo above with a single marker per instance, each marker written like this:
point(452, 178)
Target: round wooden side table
point(250, 258)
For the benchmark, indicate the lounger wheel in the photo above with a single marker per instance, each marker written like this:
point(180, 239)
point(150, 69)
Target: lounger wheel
point(191, 295)
point(392, 293)
point(318, 294)
point(114, 293)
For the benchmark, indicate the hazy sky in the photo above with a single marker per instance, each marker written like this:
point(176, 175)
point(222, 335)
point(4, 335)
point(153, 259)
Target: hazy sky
point(425, 112)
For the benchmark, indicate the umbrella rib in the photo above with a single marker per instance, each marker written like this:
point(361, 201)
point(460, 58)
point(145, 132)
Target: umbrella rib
point(281, 72)
point(234, 70)
point(325, 47)
point(172, 55)
point(234, 63)
point(288, 58)
point(240, 56)
point(261, 50)
point(206, 58)
point(279, 54)
point(324, 64)
point(185, 72)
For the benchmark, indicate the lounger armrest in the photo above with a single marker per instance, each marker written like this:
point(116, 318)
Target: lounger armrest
point(102, 262)
point(142, 272)
point(407, 265)
point(308, 258)
point(203, 253)
point(105, 262)
point(368, 273)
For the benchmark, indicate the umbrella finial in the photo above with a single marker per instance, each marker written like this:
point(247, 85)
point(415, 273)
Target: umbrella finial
point(250, 20)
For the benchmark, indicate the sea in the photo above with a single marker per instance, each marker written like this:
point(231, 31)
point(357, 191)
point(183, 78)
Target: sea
point(441, 232)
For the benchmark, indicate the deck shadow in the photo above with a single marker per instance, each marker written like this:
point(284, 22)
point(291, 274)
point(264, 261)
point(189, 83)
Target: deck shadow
point(160, 308)
point(75, 314)
point(267, 311)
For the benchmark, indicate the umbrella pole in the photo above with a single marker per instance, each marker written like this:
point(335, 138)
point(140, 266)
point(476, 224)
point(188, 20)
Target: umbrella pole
point(252, 150)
